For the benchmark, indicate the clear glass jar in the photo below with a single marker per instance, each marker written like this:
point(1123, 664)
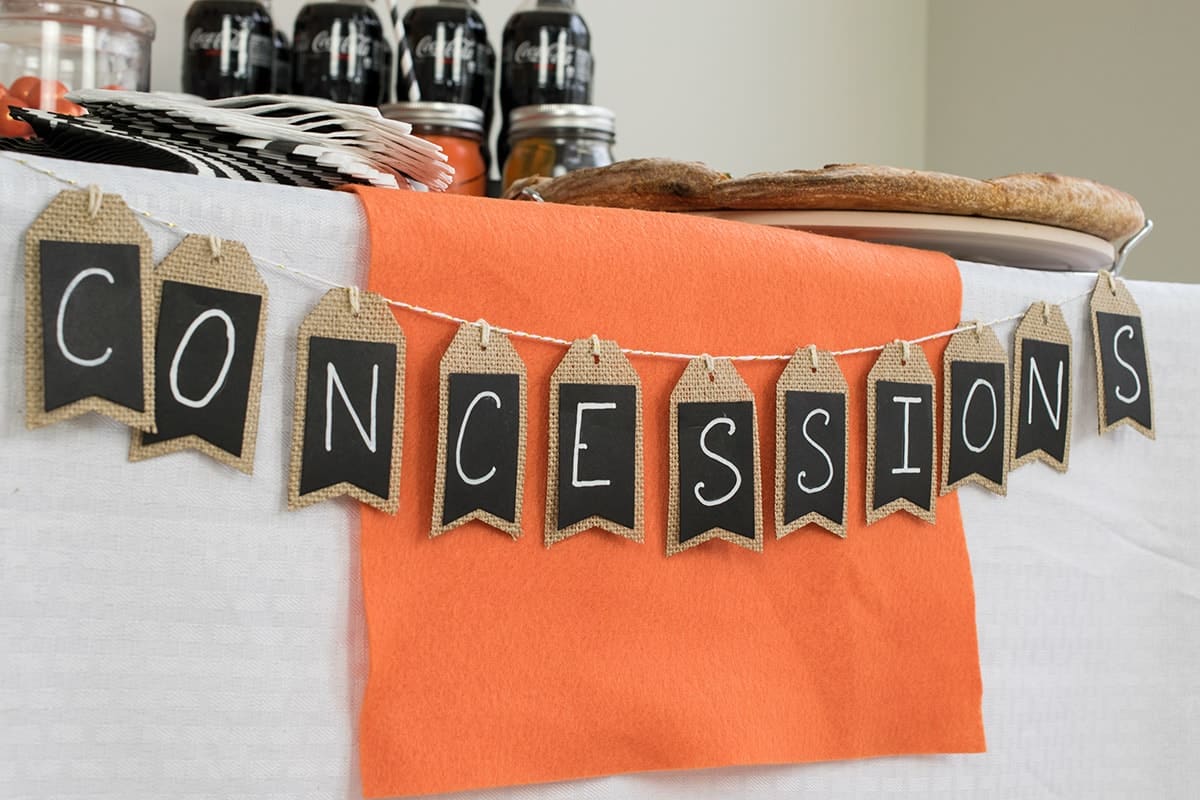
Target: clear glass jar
point(554, 139)
point(458, 129)
point(80, 44)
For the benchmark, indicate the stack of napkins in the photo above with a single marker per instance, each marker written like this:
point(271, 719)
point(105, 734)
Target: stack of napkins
point(298, 141)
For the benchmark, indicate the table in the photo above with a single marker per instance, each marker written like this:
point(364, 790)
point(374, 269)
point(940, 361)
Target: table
point(170, 631)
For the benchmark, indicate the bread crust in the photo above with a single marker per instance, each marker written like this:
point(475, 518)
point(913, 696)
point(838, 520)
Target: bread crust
point(656, 184)
point(1045, 198)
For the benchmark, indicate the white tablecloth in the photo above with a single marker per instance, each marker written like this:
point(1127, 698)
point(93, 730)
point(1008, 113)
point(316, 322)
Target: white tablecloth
point(167, 630)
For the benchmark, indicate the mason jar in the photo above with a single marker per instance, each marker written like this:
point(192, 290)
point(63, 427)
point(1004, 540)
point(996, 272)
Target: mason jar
point(554, 139)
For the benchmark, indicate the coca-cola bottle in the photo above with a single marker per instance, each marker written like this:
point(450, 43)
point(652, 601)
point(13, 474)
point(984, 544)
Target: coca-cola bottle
point(229, 48)
point(340, 52)
point(546, 58)
point(452, 58)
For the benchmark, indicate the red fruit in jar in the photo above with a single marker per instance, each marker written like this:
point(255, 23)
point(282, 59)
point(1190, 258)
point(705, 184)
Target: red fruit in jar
point(21, 88)
point(37, 93)
point(67, 107)
point(10, 126)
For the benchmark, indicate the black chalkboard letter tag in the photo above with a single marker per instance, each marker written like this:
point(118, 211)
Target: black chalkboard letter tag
point(481, 433)
point(348, 426)
point(901, 444)
point(975, 419)
point(811, 446)
point(716, 481)
point(1042, 396)
point(89, 313)
point(594, 474)
point(212, 311)
point(1126, 393)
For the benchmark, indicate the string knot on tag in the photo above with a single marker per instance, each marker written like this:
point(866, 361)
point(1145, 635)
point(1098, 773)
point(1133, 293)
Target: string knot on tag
point(355, 299)
point(1046, 313)
point(904, 351)
point(95, 200)
point(214, 244)
point(596, 348)
point(812, 352)
point(485, 333)
point(978, 329)
point(1112, 283)
point(709, 363)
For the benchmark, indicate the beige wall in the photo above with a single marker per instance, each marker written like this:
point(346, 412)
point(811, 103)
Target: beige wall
point(1105, 89)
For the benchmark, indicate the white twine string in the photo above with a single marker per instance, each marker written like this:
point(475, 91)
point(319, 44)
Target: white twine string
point(486, 329)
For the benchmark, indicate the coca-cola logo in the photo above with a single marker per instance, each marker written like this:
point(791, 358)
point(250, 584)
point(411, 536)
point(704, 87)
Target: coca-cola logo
point(531, 53)
point(201, 39)
point(323, 43)
point(427, 47)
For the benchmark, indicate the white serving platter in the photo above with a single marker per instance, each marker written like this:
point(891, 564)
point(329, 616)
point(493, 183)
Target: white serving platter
point(990, 241)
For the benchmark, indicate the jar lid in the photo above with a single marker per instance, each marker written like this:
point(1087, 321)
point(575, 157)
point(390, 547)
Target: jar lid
point(81, 12)
point(562, 115)
point(449, 115)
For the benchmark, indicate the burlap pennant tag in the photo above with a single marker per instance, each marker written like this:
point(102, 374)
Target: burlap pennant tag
point(482, 402)
point(901, 435)
point(975, 418)
point(811, 444)
point(716, 478)
point(206, 282)
point(89, 313)
point(348, 422)
point(1043, 395)
point(594, 476)
point(1124, 387)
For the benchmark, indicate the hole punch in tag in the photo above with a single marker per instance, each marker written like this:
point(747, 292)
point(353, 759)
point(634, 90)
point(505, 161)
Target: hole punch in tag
point(715, 476)
point(1042, 391)
point(1125, 391)
point(481, 433)
point(348, 423)
point(811, 444)
point(211, 324)
point(89, 312)
point(901, 443)
point(975, 418)
point(594, 476)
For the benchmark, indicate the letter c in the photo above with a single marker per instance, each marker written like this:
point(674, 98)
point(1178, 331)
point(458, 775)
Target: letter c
point(462, 429)
point(62, 312)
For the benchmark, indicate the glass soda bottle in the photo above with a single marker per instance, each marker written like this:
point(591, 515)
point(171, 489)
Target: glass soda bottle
point(229, 48)
point(340, 52)
point(453, 62)
point(546, 58)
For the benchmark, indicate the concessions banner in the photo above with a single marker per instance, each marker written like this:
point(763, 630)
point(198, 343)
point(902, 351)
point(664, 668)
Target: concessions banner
point(573, 548)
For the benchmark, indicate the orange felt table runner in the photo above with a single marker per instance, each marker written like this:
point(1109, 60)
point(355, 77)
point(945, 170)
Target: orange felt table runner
point(496, 662)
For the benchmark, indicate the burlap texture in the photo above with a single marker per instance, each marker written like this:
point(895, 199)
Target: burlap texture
point(893, 366)
point(1116, 299)
point(468, 354)
point(698, 385)
point(335, 318)
point(980, 345)
point(1043, 322)
point(66, 219)
point(601, 363)
point(802, 375)
point(193, 262)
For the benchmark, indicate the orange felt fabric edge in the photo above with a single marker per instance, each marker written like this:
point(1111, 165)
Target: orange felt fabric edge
point(497, 662)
